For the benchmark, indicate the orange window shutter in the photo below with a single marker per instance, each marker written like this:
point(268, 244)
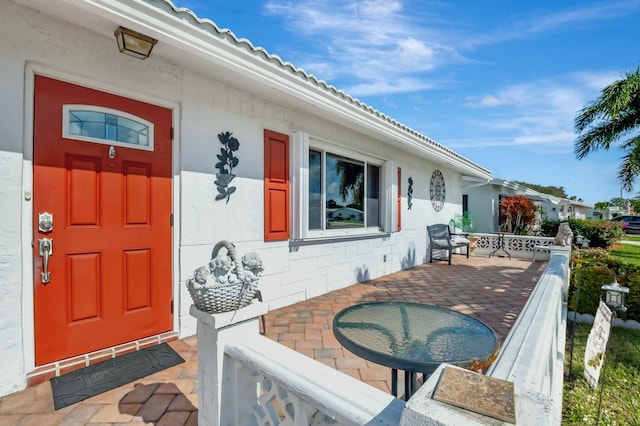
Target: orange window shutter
point(399, 199)
point(276, 186)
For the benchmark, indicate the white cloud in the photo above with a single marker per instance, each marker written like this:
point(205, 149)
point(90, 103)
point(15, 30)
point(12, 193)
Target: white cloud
point(414, 50)
point(370, 42)
point(524, 26)
point(560, 138)
point(378, 45)
point(598, 80)
point(585, 13)
point(539, 112)
point(404, 85)
point(488, 101)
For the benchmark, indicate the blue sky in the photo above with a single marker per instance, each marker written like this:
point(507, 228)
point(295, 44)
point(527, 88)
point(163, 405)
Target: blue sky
point(499, 82)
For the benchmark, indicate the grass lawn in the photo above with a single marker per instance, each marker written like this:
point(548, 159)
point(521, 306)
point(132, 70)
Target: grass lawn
point(626, 252)
point(621, 397)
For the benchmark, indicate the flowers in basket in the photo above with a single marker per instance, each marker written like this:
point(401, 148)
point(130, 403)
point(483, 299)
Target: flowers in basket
point(228, 282)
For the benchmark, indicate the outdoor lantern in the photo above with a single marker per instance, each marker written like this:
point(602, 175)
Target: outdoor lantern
point(582, 241)
point(133, 43)
point(614, 296)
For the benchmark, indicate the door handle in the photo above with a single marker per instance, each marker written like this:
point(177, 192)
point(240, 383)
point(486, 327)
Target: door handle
point(45, 247)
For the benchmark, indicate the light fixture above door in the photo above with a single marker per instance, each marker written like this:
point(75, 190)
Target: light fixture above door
point(133, 43)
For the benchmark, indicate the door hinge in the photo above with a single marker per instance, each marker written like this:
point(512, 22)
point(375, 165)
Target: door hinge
point(171, 306)
point(171, 220)
point(171, 132)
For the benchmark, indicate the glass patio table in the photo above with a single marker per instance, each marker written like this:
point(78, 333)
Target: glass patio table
point(415, 338)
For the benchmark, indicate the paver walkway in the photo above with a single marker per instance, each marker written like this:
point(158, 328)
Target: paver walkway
point(490, 289)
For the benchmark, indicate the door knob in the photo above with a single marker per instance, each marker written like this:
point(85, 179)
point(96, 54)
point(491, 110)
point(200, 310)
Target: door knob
point(45, 247)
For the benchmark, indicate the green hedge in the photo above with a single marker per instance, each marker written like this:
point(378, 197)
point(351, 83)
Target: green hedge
point(591, 267)
point(601, 233)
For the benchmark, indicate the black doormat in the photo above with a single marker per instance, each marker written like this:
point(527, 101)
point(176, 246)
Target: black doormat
point(106, 375)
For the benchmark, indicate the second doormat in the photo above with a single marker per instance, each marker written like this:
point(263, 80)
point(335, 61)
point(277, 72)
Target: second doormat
point(106, 375)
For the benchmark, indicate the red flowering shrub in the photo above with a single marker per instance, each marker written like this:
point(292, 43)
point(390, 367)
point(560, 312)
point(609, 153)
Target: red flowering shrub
point(517, 214)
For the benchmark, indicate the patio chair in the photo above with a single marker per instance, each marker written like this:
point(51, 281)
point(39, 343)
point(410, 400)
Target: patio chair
point(441, 238)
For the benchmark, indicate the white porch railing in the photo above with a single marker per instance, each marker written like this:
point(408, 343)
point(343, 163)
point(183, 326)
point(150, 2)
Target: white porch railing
point(247, 379)
point(519, 246)
point(532, 357)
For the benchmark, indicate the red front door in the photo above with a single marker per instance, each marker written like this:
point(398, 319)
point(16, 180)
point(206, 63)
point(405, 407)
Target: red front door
point(110, 262)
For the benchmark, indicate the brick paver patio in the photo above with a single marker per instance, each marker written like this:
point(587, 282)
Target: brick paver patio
point(490, 289)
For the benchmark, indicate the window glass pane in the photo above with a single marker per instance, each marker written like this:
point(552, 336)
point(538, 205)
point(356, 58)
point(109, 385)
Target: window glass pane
point(315, 190)
point(110, 127)
point(344, 187)
point(373, 195)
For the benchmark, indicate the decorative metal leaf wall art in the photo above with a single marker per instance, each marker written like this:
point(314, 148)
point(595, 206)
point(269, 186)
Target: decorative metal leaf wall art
point(410, 194)
point(226, 162)
point(437, 190)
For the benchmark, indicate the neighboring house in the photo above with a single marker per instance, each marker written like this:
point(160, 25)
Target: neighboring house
point(608, 213)
point(571, 209)
point(117, 165)
point(483, 201)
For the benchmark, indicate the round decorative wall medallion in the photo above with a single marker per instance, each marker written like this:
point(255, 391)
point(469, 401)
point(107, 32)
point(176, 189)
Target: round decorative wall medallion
point(437, 190)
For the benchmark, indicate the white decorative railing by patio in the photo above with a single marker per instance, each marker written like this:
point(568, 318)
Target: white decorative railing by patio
point(247, 379)
point(532, 358)
point(519, 246)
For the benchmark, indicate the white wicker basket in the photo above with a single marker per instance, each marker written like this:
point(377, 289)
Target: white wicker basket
point(216, 297)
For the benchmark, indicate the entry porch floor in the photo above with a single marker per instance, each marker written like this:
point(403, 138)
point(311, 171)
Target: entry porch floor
point(493, 290)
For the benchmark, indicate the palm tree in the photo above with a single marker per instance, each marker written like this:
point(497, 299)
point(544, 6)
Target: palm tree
point(351, 182)
point(614, 118)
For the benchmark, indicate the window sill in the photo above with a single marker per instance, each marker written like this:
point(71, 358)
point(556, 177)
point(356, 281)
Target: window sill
point(341, 239)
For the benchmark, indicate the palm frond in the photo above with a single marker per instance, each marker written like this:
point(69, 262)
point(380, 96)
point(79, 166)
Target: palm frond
point(607, 133)
point(630, 167)
point(619, 97)
point(609, 120)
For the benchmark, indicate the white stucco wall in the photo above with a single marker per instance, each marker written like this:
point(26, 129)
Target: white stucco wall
point(291, 274)
point(31, 42)
point(483, 206)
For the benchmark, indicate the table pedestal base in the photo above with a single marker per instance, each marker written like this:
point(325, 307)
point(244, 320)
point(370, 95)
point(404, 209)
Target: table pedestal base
point(410, 383)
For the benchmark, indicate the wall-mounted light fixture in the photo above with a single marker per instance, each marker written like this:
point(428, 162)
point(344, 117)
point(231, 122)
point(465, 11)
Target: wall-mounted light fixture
point(133, 43)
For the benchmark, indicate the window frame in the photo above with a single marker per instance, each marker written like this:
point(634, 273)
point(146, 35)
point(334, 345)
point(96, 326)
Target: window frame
point(302, 144)
point(67, 108)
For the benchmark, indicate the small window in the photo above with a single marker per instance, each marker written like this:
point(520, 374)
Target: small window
point(107, 126)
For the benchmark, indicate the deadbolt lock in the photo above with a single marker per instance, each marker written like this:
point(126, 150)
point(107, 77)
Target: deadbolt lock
point(45, 222)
